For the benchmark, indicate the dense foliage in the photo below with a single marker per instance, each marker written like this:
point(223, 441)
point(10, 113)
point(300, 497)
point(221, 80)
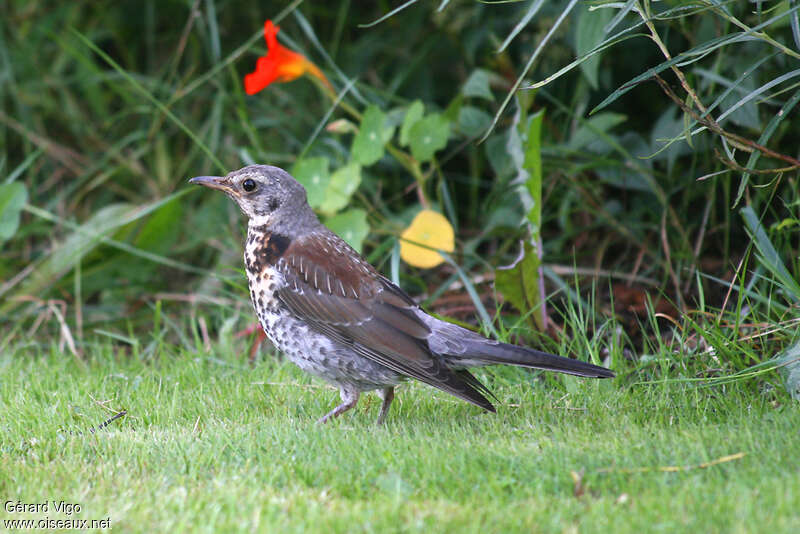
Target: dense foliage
point(659, 170)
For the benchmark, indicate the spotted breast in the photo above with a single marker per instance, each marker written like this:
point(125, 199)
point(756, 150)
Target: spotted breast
point(275, 267)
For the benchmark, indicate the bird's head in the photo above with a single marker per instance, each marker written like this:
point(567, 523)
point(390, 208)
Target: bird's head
point(269, 196)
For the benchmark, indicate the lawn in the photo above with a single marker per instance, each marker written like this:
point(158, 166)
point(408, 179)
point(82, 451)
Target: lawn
point(212, 444)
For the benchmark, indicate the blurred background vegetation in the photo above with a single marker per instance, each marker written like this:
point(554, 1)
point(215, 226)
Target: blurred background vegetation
point(651, 146)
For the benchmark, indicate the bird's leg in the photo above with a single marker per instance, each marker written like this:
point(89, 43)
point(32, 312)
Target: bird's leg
point(349, 399)
point(254, 328)
point(387, 394)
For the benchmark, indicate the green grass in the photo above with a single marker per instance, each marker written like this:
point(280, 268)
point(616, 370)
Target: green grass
point(210, 444)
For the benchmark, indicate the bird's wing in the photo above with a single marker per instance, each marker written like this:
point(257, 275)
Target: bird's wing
point(342, 296)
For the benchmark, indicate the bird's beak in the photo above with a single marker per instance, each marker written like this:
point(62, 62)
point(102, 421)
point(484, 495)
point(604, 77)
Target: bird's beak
point(214, 182)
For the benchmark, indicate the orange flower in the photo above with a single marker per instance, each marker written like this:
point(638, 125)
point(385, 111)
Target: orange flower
point(279, 65)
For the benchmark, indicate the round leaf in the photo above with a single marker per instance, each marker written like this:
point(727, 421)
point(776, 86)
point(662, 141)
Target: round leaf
point(413, 114)
point(429, 135)
point(472, 121)
point(371, 137)
point(477, 85)
point(341, 187)
point(351, 225)
point(313, 174)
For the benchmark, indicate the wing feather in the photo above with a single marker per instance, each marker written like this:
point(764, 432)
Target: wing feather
point(340, 295)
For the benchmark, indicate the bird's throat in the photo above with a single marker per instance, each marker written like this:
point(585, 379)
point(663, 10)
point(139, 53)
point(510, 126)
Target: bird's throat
point(264, 248)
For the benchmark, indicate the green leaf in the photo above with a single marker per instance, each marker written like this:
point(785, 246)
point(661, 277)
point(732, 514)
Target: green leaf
point(533, 281)
point(498, 155)
point(350, 225)
point(588, 34)
point(588, 132)
point(156, 233)
point(505, 217)
point(745, 114)
point(666, 129)
point(519, 282)
point(453, 109)
point(473, 121)
point(65, 255)
point(414, 113)
point(372, 135)
point(13, 197)
point(522, 282)
point(429, 135)
point(314, 175)
point(162, 229)
point(533, 164)
point(477, 85)
point(341, 187)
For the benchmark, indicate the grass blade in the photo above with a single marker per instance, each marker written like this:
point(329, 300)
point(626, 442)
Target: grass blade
point(768, 255)
point(532, 10)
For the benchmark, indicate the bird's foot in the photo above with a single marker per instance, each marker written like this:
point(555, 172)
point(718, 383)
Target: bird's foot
point(349, 399)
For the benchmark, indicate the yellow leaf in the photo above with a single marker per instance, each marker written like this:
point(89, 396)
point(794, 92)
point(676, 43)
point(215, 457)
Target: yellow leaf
point(429, 232)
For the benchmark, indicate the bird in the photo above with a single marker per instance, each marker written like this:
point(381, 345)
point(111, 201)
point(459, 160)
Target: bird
point(336, 317)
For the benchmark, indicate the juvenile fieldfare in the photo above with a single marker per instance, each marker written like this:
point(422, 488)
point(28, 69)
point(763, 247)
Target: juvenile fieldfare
point(333, 315)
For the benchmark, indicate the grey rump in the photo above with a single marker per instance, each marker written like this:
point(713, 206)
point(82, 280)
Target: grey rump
point(334, 316)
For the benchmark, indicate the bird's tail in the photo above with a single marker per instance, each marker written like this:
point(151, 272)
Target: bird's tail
point(505, 353)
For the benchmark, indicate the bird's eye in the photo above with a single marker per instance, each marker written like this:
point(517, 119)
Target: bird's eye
point(249, 185)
